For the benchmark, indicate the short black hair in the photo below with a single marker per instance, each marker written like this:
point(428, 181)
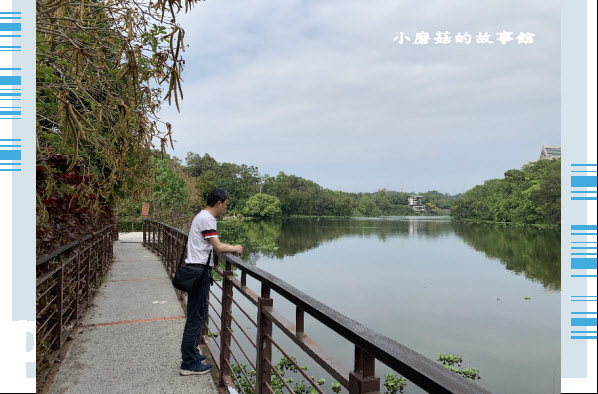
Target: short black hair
point(216, 195)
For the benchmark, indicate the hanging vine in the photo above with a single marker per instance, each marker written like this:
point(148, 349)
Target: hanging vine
point(103, 69)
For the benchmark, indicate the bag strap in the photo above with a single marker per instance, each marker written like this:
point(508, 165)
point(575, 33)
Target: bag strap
point(183, 254)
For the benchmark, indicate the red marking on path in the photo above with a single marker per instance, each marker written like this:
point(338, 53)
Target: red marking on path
point(133, 321)
point(129, 280)
point(133, 261)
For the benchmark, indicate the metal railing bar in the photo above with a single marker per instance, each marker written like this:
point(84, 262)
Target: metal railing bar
point(69, 306)
point(44, 259)
point(269, 388)
point(216, 282)
point(217, 299)
point(242, 330)
point(49, 332)
point(67, 320)
point(280, 377)
point(71, 245)
point(327, 361)
point(210, 344)
point(243, 310)
point(241, 348)
point(48, 305)
point(46, 276)
point(214, 309)
point(242, 370)
point(250, 295)
point(235, 378)
point(217, 328)
point(309, 379)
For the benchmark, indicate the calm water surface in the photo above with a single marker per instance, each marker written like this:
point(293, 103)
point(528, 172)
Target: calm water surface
point(430, 284)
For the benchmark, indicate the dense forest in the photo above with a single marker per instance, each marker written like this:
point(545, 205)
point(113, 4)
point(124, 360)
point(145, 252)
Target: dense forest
point(103, 69)
point(183, 189)
point(531, 195)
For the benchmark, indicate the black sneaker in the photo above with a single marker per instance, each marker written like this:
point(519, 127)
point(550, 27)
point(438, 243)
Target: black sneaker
point(195, 368)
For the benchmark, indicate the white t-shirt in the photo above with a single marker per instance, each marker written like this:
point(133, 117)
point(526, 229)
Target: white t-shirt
point(203, 227)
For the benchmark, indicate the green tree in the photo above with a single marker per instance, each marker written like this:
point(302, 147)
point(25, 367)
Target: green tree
point(262, 206)
point(531, 195)
point(170, 191)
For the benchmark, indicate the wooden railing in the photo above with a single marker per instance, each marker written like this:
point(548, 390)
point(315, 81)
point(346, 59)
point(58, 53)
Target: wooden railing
point(369, 345)
point(66, 280)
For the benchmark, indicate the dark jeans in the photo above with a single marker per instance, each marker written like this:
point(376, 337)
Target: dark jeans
point(197, 314)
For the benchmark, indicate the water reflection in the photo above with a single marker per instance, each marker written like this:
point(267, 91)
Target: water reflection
point(530, 252)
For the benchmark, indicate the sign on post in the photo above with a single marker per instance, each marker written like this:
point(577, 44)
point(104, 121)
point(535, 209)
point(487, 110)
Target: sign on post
point(145, 209)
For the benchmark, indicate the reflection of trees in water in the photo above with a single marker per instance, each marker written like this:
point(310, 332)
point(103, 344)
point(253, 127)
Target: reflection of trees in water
point(532, 252)
point(293, 236)
point(528, 251)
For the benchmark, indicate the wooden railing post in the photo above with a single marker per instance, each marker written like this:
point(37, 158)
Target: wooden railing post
point(264, 345)
point(78, 283)
point(225, 320)
point(299, 322)
point(144, 229)
point(363, 379)
point(59, 303)
point(153, 237)
point(87, 258)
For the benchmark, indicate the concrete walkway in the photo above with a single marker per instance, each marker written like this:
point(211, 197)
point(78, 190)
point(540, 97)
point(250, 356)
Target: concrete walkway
point(131, 336)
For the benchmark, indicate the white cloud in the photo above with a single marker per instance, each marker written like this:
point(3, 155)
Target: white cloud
point(302, 85)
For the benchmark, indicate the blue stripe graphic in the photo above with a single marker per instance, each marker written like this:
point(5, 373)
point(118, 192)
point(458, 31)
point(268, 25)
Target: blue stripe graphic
point(588, 337)
point(583, 181)
point(10, 27)
point(19, 113)
point(10, 155)
point(584, 227)
point(583, 322)
point(583, 198)
point(584, 165)
point(10, 80)
point(581, 264)
point(583, 313)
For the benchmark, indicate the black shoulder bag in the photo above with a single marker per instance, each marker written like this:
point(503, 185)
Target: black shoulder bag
point(185, 278)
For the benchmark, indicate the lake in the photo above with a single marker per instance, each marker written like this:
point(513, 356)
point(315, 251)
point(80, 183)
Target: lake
point(490, 294)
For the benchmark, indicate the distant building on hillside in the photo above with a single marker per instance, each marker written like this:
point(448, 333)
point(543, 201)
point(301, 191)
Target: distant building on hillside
point(415, 202)
point(414, 199)
point(550, 152)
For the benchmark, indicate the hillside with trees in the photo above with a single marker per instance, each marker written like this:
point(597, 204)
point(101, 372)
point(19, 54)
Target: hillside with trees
point(531, 195)
point(265, 196)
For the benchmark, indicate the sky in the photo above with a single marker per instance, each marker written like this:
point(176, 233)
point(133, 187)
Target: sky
point(324, 90)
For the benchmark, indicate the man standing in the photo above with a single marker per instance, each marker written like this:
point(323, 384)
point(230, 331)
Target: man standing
point(203, 241)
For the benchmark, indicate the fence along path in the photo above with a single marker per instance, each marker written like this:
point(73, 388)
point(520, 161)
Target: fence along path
point(369, 346)
point(130, 338)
